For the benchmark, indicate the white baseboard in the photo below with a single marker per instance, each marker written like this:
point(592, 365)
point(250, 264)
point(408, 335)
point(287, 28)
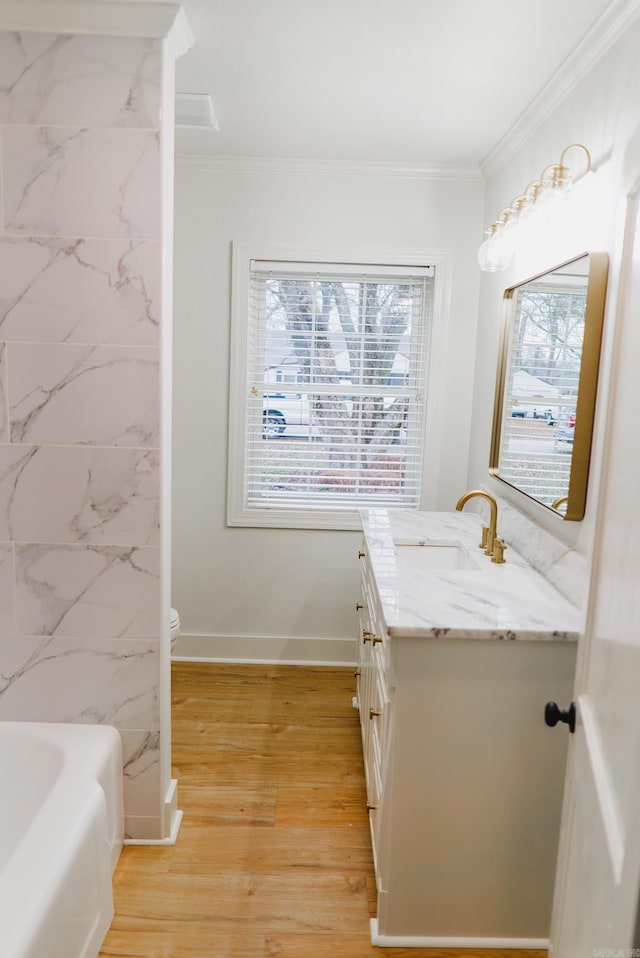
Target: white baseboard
point(264, 650)
point(171, 839)
point(402, 941)
point(171, 812)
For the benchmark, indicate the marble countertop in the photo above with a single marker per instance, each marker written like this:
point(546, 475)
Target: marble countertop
point(486, 601)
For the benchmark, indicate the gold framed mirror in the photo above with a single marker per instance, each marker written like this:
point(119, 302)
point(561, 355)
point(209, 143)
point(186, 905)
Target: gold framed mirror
point(546, 383)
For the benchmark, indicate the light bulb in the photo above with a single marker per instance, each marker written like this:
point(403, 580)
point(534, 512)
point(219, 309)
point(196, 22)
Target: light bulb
point(496, 252)
point(550, 203)
point(484, 257)
point(501, 249)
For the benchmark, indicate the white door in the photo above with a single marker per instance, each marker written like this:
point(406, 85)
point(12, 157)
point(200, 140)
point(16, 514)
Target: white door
point(598, 877)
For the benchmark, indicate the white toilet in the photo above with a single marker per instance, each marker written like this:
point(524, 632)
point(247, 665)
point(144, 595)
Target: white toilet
point(174, 625)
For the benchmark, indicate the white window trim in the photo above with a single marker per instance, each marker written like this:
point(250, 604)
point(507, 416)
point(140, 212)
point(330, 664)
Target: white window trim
point(238, 514)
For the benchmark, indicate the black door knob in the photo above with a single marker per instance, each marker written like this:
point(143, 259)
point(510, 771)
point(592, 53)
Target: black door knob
point(554, 714)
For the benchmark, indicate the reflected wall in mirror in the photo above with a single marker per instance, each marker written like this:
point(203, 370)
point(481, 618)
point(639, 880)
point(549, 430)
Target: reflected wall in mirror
point(546, 383)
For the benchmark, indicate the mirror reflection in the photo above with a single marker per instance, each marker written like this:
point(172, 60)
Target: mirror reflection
point(546, 385)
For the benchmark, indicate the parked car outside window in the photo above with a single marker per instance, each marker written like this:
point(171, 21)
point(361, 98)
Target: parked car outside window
point(565, 431)
point(285, 414)
point(288, 415)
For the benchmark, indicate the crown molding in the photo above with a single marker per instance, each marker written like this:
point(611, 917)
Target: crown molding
point(275, 164)
point(162, 19)
point(180, 38)
point(607, 29)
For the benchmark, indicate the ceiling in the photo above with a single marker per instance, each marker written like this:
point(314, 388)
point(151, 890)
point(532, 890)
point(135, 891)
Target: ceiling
point(403, 81)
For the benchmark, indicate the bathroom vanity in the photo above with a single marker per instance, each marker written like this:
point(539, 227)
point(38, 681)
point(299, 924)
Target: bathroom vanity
point(457, 657)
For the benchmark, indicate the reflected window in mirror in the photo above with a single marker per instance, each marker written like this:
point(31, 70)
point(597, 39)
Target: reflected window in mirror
point(546, 383)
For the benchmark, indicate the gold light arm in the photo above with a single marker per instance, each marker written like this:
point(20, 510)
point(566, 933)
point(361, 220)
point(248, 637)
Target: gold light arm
point(579, 146)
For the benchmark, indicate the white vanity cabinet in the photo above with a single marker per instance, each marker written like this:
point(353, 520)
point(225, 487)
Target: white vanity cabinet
point(464, 780)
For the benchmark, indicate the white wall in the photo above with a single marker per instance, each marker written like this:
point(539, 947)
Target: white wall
point(279, 585)
point(601, 112)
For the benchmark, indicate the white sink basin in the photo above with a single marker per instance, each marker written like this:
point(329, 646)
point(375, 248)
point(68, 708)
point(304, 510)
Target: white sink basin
point(435, 557)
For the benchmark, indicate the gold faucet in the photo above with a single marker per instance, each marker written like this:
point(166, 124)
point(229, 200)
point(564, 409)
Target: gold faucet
point(559, 502)
point(490, 532)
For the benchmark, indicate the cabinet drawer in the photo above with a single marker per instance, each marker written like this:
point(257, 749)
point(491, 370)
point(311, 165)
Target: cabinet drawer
point(373, 805)
point(373, 701)
point(375, 623)
point(379, 721)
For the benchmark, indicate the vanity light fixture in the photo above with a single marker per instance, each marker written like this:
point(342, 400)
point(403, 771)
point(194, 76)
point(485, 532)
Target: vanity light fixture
point(541, 197)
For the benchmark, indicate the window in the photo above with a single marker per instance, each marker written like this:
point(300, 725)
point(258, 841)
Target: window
point(328, 393)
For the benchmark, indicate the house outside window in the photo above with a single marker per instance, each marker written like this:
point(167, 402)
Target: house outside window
point(330, 379)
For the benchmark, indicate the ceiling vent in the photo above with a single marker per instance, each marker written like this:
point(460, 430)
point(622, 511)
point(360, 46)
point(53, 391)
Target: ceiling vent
point(195, 111)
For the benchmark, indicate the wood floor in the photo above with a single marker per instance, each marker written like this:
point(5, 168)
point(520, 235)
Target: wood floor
point(273, 856)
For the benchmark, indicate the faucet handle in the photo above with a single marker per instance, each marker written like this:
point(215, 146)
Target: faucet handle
point(489, 543)
point(499, 546)
point(485, 533)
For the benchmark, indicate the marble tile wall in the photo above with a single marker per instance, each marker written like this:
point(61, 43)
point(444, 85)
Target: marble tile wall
point(80, 310)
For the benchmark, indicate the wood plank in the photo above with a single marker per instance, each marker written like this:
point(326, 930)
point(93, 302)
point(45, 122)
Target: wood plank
point(179, 939)
point(317, 806)
point(221, 805)
point(235, 754)
point(357, 946)
point(294, 903)
point(275, 851)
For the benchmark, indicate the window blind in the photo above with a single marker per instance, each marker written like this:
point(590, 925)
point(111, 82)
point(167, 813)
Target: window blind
point(336, 385)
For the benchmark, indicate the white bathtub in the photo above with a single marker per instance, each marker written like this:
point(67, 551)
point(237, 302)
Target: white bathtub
point(61, 830)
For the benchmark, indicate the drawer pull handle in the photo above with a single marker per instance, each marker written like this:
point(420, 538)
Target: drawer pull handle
point(357, 673)
point(373, 713)
point(358, 607)
point(361, 555)
point(370, 807)
point(366, 635)
point(376, 639)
